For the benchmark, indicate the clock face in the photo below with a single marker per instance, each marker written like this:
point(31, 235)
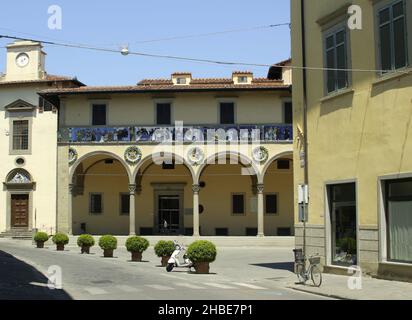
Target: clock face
point(22, 60)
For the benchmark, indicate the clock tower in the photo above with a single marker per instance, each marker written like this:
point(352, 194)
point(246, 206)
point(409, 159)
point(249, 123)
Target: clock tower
point(25, 61)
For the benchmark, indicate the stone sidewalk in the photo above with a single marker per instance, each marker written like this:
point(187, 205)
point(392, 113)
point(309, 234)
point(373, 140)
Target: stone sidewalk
point(336, 286)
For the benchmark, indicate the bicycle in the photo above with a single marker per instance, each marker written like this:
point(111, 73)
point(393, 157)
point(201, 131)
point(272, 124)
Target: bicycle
point(312, 272)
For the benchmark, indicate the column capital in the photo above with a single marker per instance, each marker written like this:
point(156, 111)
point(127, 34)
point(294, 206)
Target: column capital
point(132, 188)
point(196, 188)
point(71, 187)
point(260, 187)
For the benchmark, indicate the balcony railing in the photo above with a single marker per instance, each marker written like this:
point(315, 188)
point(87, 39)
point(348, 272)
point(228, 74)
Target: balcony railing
point(161, 134)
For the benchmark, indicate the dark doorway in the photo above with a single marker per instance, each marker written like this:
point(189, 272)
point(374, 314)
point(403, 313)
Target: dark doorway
point(19, 210)
point(169, 214)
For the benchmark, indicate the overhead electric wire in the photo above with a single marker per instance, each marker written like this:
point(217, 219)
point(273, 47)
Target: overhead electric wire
point(189, 59)
point(214, 33)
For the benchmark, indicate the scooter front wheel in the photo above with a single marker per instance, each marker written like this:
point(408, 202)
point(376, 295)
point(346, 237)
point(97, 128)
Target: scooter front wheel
point(170, 267)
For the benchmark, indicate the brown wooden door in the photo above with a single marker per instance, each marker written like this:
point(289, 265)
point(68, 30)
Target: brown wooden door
point(19, 210)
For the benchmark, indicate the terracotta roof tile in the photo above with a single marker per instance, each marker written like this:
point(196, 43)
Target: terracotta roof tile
point(48, 78)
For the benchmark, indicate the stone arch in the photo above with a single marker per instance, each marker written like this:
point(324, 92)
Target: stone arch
point(99, 153)
point(19, 176)
point(149, 158)
point(273, 159)
point(232, 155)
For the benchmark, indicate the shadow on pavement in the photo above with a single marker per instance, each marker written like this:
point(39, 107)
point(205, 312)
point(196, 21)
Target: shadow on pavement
point(17, 278)
point(289, 266)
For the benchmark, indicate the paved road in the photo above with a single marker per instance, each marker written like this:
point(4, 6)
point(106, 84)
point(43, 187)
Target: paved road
point(238, 274)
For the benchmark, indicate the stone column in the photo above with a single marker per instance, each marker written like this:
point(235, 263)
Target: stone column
point(260, 208)
point(196, 190)
point(132, 209)
point(69, 209)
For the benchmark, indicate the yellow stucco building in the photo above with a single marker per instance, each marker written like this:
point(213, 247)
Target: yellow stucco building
point(177, 156)
point(357, 93)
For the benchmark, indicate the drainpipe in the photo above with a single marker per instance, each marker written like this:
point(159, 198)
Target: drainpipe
point(305, 116)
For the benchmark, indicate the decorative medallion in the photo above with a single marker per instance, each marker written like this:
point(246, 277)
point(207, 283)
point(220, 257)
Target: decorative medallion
point(260, 154)
point(195, 156)
point(132, 155)
point(72, 156)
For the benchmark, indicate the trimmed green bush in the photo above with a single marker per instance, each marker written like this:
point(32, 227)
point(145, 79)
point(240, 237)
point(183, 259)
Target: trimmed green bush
point(41, 237)
point(60, 238)
point(85, 240)
point(164, 248)
point(136, 244)
point(202, 251)
point(108, 242)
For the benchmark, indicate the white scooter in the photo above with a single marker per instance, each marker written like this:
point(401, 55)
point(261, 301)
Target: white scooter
point(178, 258)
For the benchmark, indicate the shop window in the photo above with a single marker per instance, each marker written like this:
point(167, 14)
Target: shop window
point(342, 204)
point(399, 220)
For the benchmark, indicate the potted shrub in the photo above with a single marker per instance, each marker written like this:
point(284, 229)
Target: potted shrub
point(201, 253)
point(108, 244)
point(60, 240)
point(136, 245)
point(85, 242)
point(164, 250)
point(41, 238)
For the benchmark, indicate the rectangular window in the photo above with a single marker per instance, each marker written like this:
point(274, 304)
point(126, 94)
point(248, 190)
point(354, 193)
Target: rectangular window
point(227, 113)
point(96, 203)
point(99, 115)
point(20, 135)
point(163, 114)
point(45, 105)
point(238, 204)
point(342, 204)
point(336, 60)
point(399, 220)
point(124, 204)
point(288, 113)
point(393, 48)
point(271, 204)
point(283, 164)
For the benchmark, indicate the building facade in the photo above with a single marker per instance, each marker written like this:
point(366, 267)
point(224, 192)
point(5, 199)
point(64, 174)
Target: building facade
point(359, 144)
point(178, 156)
point(27, 139)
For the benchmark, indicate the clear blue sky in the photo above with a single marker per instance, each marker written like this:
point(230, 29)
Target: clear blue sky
point(112, 23)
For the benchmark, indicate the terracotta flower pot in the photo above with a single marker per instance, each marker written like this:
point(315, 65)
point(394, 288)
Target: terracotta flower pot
point(137, 256)
point(60, 247)
point(40, 244)
point(165, 260)
point(202, 267)
point(108, 253)
point(85, 249)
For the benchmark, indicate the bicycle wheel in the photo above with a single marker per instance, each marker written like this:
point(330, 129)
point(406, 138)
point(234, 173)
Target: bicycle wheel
point(316, 275)
point(300, 272)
